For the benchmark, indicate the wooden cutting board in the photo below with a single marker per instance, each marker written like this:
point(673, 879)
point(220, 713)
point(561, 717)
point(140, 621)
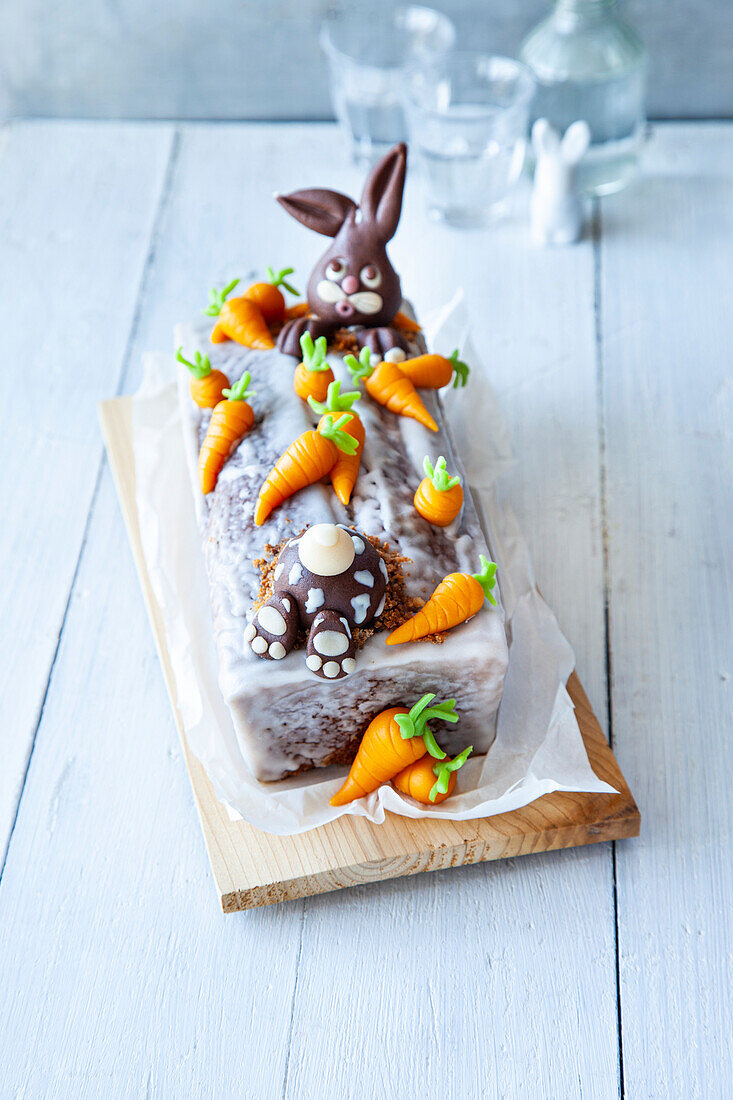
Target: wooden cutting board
point(254, 868)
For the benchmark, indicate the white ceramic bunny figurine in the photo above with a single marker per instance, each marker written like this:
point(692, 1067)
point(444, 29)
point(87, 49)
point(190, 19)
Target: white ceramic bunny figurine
point(556, 208)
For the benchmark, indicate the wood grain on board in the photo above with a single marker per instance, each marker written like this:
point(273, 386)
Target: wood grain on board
point(253, 868)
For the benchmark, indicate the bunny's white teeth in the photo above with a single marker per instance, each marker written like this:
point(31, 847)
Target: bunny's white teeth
point(366, 301)
point(329, 292)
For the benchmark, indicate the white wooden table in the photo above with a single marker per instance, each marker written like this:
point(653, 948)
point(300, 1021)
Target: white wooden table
point(598, 972)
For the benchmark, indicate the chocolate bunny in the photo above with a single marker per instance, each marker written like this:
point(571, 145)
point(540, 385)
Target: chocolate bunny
point(353, 284)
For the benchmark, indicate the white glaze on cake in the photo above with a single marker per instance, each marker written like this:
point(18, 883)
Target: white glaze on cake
point(284, 717)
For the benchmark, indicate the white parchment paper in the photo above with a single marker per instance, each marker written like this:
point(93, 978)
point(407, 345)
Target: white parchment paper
point(538, 748)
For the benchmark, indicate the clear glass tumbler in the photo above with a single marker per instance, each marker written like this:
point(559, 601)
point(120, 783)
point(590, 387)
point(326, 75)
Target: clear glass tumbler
point(468, 119)
point(369, 51)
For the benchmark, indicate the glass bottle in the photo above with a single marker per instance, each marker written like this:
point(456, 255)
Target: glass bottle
point(589, 64)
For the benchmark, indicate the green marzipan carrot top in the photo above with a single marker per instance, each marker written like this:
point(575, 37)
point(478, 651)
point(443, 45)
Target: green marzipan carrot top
point(314, 355)
point(443, 772)
point(414, 723)
point(200, 368)
point(462, 370)
point(439, 475)
point(359, 368)
point(487, 577)
point(330, 429)
point(239, 391)
point(278, 279)
point(336, 401)
point(217, 298)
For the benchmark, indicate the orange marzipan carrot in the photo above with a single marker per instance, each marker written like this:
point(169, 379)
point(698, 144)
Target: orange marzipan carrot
point(401, 320)
point(439, 498)
point(346, 468)
point(241, 320)
point(205, 385)
point(230, 421)
point(312, 375)
point(432, 372)
point(300, 309)
point(388, 386)
point(456, 599)
point(419, 780)
point(238, 319)
point(309, 458)
point(269, 297)
point(395, 738)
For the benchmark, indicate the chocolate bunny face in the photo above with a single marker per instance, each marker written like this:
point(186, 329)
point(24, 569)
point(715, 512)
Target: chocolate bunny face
point(354, 283)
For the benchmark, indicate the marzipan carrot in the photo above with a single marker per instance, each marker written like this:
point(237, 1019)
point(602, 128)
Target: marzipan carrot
point(312, 375)
point(456, 599)
point(268, 296)
point(394, 739)
point(439, 498)
point(419, 779)
point(309, 458)
point(239, 319)
point(206, 385)
point(432, 372)
point(401, 320)
point(346, 468)
point(230, 422)
point(300, 309)
point(387, 385)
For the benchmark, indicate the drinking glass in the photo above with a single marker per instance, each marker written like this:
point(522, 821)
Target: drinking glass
point(468, 118)
point(369, 52)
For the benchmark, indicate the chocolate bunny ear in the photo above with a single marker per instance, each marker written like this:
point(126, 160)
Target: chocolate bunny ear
point(381, 199)
point(318, 209)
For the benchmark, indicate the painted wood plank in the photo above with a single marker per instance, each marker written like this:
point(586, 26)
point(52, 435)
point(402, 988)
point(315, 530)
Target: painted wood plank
point(77, 207)
point(667, 323)
point(121, 977)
